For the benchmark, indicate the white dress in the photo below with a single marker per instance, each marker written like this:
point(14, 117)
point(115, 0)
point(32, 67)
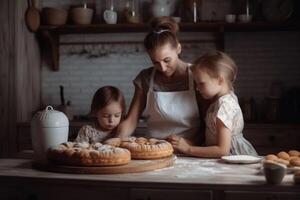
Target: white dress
point(228, 110)
point(89, 134)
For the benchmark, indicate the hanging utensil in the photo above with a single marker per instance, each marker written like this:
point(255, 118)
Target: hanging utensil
point(32, 16)
point(63, 107)
point(62, 97)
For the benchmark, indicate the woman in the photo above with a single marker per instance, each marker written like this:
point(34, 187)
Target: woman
point(164, 92)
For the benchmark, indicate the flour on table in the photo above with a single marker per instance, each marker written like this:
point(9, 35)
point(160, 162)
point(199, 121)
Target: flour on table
point(242, 157)
point(196, 168)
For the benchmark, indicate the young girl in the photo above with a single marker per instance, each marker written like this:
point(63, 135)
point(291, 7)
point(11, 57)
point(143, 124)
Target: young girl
point(107, 110)
point(214, 74)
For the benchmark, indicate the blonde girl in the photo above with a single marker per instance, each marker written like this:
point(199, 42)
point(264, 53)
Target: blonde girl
point(215, 74)
point(107, 111)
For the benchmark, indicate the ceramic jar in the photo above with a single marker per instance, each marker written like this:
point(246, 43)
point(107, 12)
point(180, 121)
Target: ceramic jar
point(48, 128)
point(162, 8)
point(110, 14)
point(81, 15)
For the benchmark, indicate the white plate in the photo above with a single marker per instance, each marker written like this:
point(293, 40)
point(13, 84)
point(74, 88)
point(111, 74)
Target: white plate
point(244, 159)
point(292, 170)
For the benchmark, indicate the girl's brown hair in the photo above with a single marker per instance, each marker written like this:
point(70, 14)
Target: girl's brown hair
point(164, 31)
point(217, 63)
point(104, 96)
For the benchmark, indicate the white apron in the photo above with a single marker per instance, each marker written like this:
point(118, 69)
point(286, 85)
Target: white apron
point(172, 112)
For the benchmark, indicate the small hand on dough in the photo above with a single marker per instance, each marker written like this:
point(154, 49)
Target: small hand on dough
point(179, 143)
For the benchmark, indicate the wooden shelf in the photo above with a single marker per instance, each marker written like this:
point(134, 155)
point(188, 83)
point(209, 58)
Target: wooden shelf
point(49, 35)
point(185, 27)
point(96, 28)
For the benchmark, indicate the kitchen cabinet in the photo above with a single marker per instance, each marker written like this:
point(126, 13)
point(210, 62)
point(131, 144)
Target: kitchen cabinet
point(10, 193)
point(246, 195)
point(156, 194)
point(73, 192)
point(61, 192)
point(189, 179)
point(49, 35)
point(274, 138)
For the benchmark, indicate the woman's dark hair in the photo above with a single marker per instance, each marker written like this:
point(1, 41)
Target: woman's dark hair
point(104, 96)
point(164, 31)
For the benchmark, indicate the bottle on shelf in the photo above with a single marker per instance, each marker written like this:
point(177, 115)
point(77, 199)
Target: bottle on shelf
point(191, 11)
point(131, 12)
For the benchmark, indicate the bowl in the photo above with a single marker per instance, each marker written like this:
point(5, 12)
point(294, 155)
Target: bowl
point(244, 18)
point(54, 16)
point(274, 172)
point(230, 18)
point(81, 15)
point(177, 19)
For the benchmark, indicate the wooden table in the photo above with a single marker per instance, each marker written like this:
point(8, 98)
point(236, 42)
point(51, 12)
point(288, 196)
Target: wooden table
point(188, 178)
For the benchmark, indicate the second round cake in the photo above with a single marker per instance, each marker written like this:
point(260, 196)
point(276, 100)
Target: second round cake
point(143, 148)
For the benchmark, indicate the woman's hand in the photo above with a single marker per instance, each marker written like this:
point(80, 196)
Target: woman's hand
point(127, 126)
point(179, 143)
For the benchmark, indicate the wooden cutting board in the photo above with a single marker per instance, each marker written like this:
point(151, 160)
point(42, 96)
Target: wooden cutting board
point(132, 167)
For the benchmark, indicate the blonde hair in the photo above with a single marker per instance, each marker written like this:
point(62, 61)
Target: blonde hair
point(164, 31)
point(217, 63)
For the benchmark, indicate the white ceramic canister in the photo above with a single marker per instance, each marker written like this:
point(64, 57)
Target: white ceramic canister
point(48, 128)
point(162, 8)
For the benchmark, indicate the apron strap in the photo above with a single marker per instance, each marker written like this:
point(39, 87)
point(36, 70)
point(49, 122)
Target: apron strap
point(191, 80)
point(152, 79)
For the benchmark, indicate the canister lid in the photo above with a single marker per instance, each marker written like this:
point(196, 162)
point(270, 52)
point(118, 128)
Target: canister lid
point(50, 118)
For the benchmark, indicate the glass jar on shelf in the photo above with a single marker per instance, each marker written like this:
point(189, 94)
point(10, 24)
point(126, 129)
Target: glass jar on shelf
point(131, 11)
point(246, 10)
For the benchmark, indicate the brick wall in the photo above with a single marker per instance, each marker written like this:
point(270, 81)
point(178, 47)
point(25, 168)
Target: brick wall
point(261, 57)
point(85, 68)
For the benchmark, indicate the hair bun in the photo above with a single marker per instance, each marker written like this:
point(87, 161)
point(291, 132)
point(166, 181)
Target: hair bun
point(164, 23)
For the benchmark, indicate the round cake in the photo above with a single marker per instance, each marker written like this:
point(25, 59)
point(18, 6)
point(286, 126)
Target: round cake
point(85, 154)
point(143, 148)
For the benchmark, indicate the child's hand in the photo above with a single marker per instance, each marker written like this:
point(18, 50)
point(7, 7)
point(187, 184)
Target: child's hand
point(179, 143)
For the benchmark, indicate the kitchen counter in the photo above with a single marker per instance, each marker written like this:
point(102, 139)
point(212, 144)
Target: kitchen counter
point(186, 178)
